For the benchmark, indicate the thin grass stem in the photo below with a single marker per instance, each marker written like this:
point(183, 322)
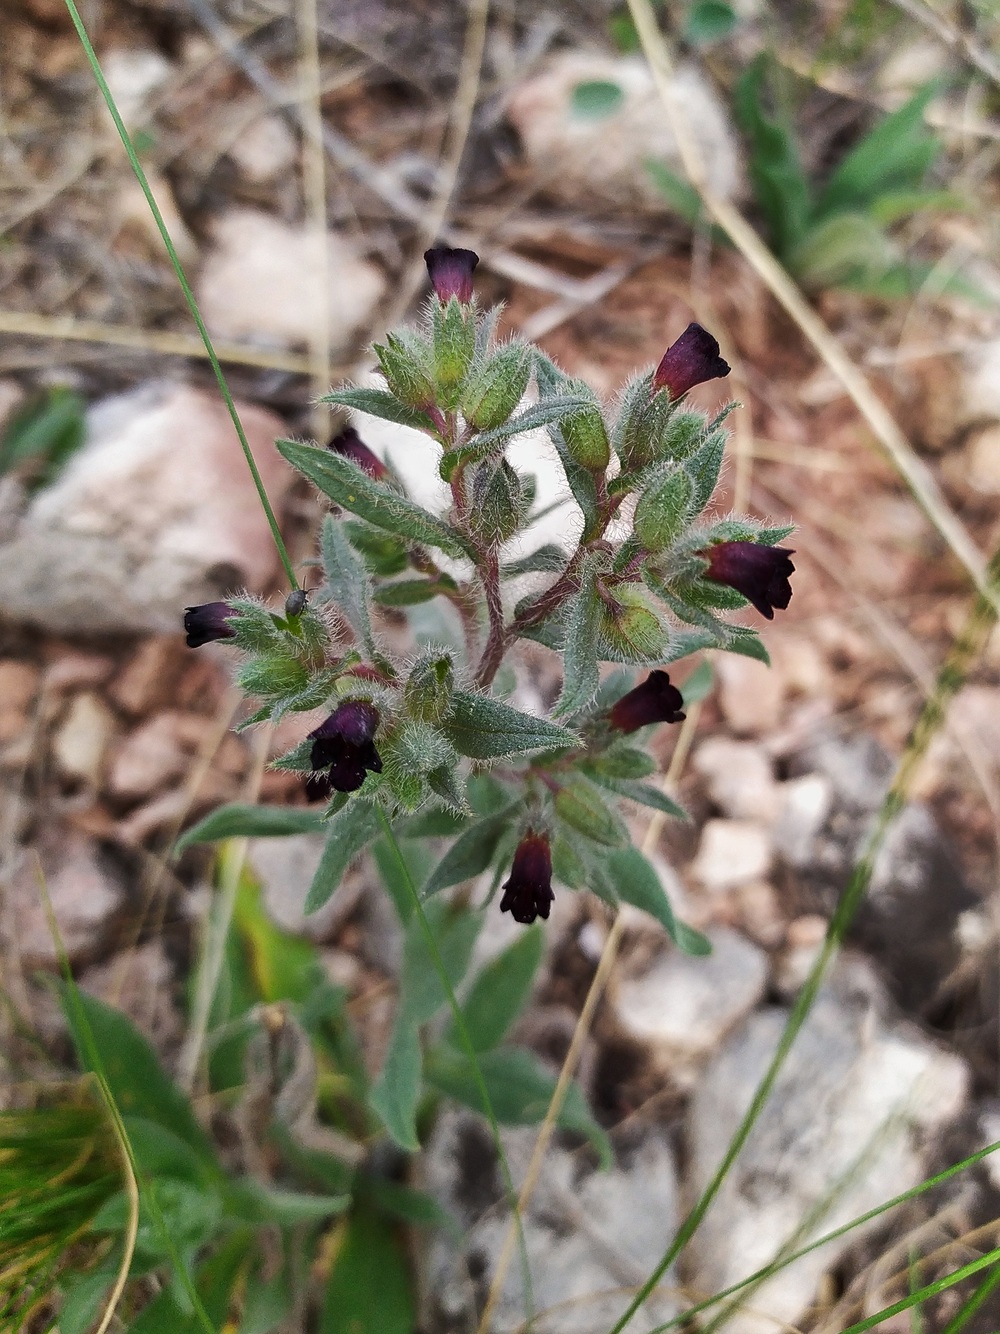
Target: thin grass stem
point(972, 1305)
point(964, 651)
point(925, 1293)
point(185, 286)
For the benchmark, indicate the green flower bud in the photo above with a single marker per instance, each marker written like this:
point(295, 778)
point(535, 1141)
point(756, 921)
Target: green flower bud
point(663, 507)
point(630, 630)
point(405, 362)
point(454, 343)
point(428, 689)
point(497, 501)
point(682, 435)
point(494, 389)
point(585, 433)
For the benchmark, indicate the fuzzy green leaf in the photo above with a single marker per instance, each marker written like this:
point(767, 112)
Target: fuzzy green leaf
point(348, 833)
point(370, 1290)
point(396, 1092)
point(645, 794)
point(581, 806)
point(663, 507)
point(350, 486)
point(545, 560)
point(346, 580)
point(582, 645)
point(239, 820)
point(471, 853)
point(500, 992)
point(637, 883)
point(421, 990)
point(520, 1089)
point(484, 728)
point(378, 403)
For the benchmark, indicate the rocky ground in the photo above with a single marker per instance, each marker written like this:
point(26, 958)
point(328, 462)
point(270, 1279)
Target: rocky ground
point(114, 736)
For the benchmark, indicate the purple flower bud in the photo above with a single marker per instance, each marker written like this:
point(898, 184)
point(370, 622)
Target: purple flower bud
point(760, 573)
point(654, 701)
point(344, 745)
point(527, 893)
point(692, 360)
point(207, 622)
point(349, 445)
point(451, 272)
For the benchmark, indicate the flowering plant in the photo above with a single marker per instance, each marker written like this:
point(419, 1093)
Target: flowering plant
point(430, 740)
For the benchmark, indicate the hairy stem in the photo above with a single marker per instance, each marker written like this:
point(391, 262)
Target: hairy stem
point(489, 572)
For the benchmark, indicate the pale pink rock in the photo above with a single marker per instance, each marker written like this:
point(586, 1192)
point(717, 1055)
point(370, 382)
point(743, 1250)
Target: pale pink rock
point(82, 739)
point(155, 513)
point(83, 893)
point(148, 759)
point(259, 282)
point(18, 687)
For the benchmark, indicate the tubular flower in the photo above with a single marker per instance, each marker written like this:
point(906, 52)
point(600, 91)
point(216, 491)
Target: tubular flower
point(527, 893)
point(654, 701)
point(344, 746)
point(693, 359)
point(207, 622)
point(349, 445)
point(760, 573)
point(318, 787)
point(451, 272)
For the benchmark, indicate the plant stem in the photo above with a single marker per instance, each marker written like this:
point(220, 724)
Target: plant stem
point(462, 1030)
point(489, 572)
point(185, 287)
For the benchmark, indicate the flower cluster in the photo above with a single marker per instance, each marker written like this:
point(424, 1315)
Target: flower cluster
point(400, 732)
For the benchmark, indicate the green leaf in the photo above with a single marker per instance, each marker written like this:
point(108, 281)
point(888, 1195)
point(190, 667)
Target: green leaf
point(501, 991)
point(417, 860)
point(382, 554)
point(842, 247)
point(256, 1202)
point(421, 989)
point(378, 403)
point(396, 1092)
point(663, 507)
point(283, 967)
point(637, 883)
point(346, 580)
point(484, 728)
point(350, 487)
point(545, 560)
point(780, 184)
point(408, 592)
point(216, 1282)
point(580, 654)
point(471, 853)
point(621, 760)
point(137, 1081)
point(520, 1089)
point(596, 99)
point(645, 794)
point(48, 429)
point(582, 807)
point(485, 443)
point(748, 642)
point(894, 155)
point(348, 833)
point(708, 21)
point(682, 197)
point(370, 1290)
point(239, 820)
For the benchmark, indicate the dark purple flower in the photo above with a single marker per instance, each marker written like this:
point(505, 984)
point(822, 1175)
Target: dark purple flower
point(349, 445)
point(207, 622)
point(527, 893)
point(654, 701)
point(760, 573)
point(692, 360)
point(344, 745)
point(318, 787)
point(451, 272)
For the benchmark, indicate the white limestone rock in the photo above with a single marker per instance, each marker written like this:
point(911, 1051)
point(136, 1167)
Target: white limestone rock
point(585, 160)
point(156, 512)
point(258, 283)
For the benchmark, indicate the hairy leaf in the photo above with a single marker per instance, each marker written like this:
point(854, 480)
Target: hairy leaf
point(348, 833)
point(484, 728)
point(637, 883)
point(240, 820)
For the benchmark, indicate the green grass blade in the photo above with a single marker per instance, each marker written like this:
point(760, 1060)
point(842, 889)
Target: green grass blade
point(185, 286)
point(963, 653)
